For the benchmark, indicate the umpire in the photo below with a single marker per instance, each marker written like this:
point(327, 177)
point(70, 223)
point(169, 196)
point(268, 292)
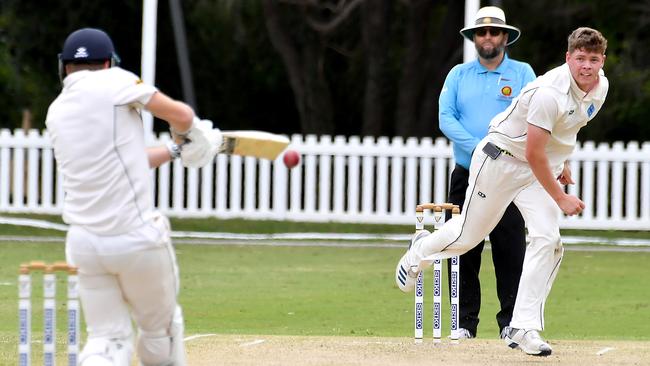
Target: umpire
point(473, 93)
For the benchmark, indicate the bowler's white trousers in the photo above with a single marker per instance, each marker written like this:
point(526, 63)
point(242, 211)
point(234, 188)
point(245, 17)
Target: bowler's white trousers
point(125, 277)
point(493, 184)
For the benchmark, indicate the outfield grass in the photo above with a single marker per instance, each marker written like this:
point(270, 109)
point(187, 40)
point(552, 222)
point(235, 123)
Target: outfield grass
point(212, 224)
point(350, 291)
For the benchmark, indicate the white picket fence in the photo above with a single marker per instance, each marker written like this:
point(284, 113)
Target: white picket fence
point(340, 179)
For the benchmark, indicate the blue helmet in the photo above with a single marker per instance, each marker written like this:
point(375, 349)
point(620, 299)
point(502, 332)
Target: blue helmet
point(87, 45)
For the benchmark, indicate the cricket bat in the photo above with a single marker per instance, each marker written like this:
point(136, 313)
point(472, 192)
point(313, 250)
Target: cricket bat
point(258, 144)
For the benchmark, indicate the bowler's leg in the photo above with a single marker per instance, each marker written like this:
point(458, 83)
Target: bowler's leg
point(508, 241)
point(543, 256)
point(541, 263)
point(469, 285)
point(493, 184)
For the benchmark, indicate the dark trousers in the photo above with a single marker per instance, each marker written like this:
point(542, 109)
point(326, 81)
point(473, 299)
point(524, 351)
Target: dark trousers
point(508, 240)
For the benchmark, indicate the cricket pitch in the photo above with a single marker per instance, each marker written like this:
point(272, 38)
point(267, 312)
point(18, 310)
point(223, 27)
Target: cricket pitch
point(313, 350)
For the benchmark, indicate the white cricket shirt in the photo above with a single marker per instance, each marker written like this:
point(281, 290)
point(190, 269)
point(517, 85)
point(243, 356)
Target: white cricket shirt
point(553, 102)
point(98, 139)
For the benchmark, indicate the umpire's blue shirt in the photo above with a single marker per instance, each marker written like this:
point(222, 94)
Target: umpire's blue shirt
point(472, 95)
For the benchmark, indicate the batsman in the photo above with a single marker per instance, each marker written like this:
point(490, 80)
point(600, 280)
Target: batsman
point(118, 241)
point(524, 159)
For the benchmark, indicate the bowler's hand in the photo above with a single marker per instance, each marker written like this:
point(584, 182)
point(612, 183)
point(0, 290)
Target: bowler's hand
point(571, 205)
point(565, 177)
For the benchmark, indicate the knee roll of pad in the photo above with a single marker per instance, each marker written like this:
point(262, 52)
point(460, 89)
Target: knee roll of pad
point(106, 352)
point(155, 351)
point(166, 348)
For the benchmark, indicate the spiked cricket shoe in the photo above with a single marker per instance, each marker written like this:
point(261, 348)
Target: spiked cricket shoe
point(527, 340)
point(406, 271)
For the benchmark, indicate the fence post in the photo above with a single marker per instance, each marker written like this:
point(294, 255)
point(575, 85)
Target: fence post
point(339, 176)
point(382, 176)
point(396, 177)
point(5, 162)
point(338, 180)
point(645, 184)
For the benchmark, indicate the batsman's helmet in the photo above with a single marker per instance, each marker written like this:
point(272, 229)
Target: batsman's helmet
point(87, 45)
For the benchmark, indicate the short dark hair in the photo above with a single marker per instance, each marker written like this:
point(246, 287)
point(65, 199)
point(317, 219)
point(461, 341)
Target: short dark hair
point(92, 66)
point(588, 39)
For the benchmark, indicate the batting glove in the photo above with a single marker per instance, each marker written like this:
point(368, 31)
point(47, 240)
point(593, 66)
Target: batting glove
point(201, 144)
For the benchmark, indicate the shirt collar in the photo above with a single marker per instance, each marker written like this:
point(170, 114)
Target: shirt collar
point(74, 77)
point(480, 69)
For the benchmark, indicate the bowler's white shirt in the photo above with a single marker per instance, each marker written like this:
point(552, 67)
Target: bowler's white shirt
point(98, 139)
point(553, 102)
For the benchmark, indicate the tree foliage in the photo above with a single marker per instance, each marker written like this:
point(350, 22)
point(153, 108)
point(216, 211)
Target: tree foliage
point(351, 67)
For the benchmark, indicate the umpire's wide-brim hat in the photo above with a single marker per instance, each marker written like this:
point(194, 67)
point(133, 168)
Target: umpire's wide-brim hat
point(491, 16)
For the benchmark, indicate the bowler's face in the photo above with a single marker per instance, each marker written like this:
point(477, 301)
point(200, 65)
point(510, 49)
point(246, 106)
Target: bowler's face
point(585, 66)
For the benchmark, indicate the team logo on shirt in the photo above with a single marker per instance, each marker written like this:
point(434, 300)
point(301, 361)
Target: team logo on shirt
point(506, 91)
point(591, 110)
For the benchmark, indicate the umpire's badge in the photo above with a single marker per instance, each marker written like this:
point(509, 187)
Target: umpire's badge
point(506, 91)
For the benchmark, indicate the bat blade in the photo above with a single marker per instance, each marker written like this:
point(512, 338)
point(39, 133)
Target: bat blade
point(258, 144)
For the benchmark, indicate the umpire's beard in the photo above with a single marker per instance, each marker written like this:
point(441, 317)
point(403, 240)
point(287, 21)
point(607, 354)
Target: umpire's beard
point(491, 53)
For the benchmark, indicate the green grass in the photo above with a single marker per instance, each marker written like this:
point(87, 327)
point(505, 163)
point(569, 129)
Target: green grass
point(350, 291)
point(212, 224)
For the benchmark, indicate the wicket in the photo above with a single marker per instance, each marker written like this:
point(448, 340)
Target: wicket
point(49, 311)
point(439, 219)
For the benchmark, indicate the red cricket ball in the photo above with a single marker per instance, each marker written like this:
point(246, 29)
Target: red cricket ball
point(291, 158)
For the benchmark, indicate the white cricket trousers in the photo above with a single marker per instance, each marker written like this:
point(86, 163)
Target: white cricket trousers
point(493, 184)
point(118, 284)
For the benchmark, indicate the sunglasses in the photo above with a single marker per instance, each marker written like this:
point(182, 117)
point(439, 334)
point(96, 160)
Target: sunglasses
point(481, 32)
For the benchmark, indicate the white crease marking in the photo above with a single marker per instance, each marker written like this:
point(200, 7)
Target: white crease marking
point(604, 350)
point(253, 343)
point(198, 336)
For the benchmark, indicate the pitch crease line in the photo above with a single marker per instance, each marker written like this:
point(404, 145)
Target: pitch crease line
point(604, 350)
point(253, 343)
point(198, 336)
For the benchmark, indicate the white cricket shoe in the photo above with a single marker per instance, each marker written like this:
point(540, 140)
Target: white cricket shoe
point(405, 273)
point(527, 340)
point(464, 333)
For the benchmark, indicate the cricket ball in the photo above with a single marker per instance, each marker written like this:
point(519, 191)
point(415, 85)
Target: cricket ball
point(291, 158)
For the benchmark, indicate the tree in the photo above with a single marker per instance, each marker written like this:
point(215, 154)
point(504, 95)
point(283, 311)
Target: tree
point(545, 27)
point(349, 67)
point(375, 24)
point(430, 52)
point(300, 34)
